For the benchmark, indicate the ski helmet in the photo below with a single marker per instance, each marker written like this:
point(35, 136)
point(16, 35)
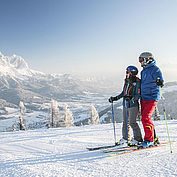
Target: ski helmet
point(132, 69)
point(147, 57)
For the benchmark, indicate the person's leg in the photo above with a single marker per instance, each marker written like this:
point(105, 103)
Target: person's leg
point(124, 127)
point(133, 113)
point(147, 109)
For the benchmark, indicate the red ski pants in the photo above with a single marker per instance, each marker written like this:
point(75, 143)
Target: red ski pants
point(147, 109)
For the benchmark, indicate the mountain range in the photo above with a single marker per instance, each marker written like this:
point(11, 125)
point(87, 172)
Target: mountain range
point(20, 83)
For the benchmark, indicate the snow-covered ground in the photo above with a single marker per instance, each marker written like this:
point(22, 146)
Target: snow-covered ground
point(62, 152)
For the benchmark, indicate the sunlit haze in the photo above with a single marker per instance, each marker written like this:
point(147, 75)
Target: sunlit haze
point(91, 37)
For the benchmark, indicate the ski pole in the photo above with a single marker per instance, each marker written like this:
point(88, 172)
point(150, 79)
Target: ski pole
point(165, 118)
point(114, 123)
point(126, 118)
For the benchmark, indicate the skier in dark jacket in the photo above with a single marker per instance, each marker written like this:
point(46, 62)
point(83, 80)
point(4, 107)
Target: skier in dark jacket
point(151, 80)
point(130, 95)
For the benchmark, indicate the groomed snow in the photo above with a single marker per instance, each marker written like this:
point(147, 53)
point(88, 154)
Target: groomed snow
point(62, 152)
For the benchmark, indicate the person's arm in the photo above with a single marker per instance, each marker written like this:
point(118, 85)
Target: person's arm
point(111, 99)
point(157, 75)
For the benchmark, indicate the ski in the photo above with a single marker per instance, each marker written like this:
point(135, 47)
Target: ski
point(124, 148)
point(119, 149)
point(101, 147)
point(127, 151)
point(119, 146)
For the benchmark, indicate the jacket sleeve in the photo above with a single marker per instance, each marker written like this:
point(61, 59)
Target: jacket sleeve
point(120, 95)
point(157, 74)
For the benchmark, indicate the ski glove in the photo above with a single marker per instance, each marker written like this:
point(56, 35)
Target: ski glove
point(128, 98)
point(159, 82)
point(111, 99)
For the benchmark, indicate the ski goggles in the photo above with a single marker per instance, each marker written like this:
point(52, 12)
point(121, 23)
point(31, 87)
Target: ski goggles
point(141, 59)
point(128, 72)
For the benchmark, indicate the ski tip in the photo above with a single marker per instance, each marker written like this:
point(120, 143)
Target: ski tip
point(91, 149)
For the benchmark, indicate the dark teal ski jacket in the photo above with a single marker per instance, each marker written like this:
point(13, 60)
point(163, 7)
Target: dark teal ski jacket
point(131, 90)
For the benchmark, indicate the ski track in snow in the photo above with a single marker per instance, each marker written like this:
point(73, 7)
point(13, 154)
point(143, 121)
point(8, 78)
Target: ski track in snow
point(62, 152)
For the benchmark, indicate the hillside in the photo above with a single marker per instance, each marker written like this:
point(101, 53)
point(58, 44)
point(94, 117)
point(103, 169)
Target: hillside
point(62, 152)
point(80, 108)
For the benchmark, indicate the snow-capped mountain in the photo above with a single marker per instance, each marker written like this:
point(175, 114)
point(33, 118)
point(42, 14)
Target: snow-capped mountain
point(14, 66)
point(19, 82)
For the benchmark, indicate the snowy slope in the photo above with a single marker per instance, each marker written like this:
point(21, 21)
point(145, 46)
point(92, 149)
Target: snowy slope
point(62, 152)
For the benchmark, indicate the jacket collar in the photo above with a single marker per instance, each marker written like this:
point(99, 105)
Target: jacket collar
point(153, 63)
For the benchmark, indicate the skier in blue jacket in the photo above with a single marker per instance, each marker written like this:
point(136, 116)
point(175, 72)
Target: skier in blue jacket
point(130, 95)
point(151, 80)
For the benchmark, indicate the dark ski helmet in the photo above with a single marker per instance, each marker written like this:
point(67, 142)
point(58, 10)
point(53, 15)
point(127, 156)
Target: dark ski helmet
point(132, 69)
point(147, 57)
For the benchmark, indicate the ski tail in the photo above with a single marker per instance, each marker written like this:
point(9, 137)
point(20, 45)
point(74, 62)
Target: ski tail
point(101, 147)
point(122, 148)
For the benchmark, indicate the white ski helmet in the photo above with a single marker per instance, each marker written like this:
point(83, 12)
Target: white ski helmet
point(147, 57)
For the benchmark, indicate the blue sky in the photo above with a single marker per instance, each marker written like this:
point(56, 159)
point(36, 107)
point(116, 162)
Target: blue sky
point(100, 37)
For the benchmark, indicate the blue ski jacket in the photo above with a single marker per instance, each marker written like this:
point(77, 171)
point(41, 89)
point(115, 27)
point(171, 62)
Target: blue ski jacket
point(149, 89)
point(132, 90)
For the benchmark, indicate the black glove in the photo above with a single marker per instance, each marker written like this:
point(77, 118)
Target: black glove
point(111, 99)
point(128, 98)
point(159, 82)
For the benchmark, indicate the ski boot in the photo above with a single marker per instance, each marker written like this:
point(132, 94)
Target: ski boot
point(121, 142)
point(133, 142)
point(146, 144)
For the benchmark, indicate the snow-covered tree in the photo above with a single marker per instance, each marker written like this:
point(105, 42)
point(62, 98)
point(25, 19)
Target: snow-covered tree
point(21, 119)
point(22, 107)
point(57, 119)
point(68, 117)
point(94, 117)
point(156, 114)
